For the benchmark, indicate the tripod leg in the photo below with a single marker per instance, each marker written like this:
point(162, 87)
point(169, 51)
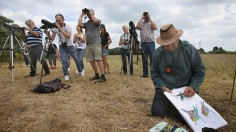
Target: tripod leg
point(20, 47)
point(3, 47)
point(12, 57)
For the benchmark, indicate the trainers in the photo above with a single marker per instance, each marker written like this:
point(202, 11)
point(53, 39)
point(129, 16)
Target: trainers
point(82, 73)
point(76, 71)
point(68, 68)
point(101, 80)
point(67, 78)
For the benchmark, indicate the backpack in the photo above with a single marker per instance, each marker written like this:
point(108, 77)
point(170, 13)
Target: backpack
point(50, 86)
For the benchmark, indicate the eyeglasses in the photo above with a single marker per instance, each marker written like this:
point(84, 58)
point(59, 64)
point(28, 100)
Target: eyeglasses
point(166, 29)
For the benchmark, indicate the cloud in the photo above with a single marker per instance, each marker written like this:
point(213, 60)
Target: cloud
point(209, 22)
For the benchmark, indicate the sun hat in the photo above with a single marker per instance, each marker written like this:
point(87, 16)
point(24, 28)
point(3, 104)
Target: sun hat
point(168, 34)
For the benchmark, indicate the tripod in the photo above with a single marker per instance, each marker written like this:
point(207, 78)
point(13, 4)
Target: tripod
point(11, 36)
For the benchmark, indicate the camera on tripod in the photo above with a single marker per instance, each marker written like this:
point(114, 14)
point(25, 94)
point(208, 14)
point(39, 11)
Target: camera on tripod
point(132, 31)
point(86, 11)
point(47, 24)
point(14, 27)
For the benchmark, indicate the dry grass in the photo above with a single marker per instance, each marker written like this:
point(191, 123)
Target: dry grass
point(120, 104)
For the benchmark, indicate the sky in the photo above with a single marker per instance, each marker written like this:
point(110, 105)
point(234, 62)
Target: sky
point(206, 23)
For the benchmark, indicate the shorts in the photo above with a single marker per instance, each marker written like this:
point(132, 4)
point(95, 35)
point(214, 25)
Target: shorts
point(93, 52)
point(105, 52)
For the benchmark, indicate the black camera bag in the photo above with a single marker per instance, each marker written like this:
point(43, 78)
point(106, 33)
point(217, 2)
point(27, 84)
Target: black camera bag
point(50, 86)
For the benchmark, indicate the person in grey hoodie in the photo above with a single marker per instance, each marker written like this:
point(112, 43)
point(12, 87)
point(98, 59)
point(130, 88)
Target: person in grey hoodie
point(176, 63)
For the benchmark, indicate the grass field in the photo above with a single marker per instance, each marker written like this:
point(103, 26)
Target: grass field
point(120, 104)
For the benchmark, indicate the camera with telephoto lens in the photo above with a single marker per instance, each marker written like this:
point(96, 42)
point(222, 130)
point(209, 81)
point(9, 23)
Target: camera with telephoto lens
point(132, 31)
point(47, 24)
point(145, 14)
point(14, 27)
point(86, 11)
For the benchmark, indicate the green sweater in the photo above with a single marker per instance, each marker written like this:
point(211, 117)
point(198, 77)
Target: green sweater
point(182, 67)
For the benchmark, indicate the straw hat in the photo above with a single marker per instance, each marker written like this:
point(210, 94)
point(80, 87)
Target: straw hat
point(168, 35)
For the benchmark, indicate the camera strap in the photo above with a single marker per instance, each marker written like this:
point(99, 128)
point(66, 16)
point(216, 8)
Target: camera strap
point(60, 33)
point(60, 36)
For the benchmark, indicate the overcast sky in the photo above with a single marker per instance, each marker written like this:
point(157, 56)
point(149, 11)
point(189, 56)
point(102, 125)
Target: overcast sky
point(209, 22)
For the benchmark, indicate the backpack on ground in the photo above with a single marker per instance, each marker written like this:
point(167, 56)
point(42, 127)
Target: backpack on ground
point(50, 86)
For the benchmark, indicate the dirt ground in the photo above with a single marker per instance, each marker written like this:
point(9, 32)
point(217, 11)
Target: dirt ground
point(121, 104)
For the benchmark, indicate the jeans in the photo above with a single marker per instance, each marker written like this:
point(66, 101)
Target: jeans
point(80, 54)
point(148, 49)
point(162, 107)
point(105, 52)
point(64, 53)
point(124, 53)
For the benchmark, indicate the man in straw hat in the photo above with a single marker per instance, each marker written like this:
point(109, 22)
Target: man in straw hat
point(176, 63)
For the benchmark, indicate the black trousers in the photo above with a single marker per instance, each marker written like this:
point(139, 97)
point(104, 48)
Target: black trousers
point(35, 54)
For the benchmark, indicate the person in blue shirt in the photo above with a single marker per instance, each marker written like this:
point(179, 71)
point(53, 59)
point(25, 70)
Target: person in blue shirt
point(176, 63)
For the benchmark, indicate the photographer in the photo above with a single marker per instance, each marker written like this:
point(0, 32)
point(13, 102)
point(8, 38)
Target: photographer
point(52, 52)
point(124, 50)
point(93, 42)
point(146, 27)
point(66, 47)
point(34, 44)
point(79, 40)
point(106, 41)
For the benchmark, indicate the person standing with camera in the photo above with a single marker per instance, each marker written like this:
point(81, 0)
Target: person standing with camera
point(52, 52)
point(93, 43)
point(66, 47)
point(106, 41)
point(79, 40)
point(34, 44)
point(124, 50)
point(146, 27)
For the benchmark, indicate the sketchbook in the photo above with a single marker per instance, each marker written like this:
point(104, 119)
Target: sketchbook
point(196, 112)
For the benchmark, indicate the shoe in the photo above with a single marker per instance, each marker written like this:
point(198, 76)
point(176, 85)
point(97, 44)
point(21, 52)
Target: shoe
point(144, 76)
point(94, 78)
point(47, 73)
point(101, 80)
point(76, 71)
point(82, 73)
point(68, 68)
point(30, 75)
point(67, 77)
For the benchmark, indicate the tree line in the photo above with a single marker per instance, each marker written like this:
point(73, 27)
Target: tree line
point(4, 33)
